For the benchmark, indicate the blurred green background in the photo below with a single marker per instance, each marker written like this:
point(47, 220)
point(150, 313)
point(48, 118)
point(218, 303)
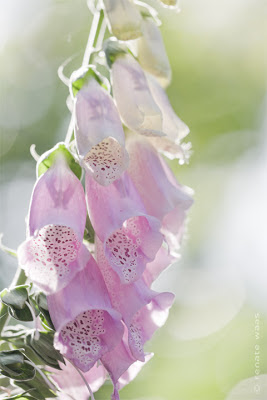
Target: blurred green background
point(206, 351)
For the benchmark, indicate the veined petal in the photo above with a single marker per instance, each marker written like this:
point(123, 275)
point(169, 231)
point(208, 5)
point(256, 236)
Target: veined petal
point(87, 327)
point(133, 98)
point(151, 53)
point(99, 134)
point(131, 237)
point(162, 196)
point(174, 128)
point(50, 262)
point(58, 199)
point(71, 383)
point(124, 19)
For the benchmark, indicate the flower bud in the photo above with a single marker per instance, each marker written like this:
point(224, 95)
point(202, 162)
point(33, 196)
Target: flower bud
point(151, 52)
point(124, 19)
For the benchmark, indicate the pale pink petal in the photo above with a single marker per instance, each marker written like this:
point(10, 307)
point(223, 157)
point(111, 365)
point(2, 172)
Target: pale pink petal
point(133, 371)
point(58, 199)
point(147, 321)
point(124, 19)
point(133, 98)
point(71, 383)
point(52, 258)
point(151, 53)
point(99, 134)
point(174, 128)
point(131, 237)
point(86, 324)
point(162, 196)
point(153, 269)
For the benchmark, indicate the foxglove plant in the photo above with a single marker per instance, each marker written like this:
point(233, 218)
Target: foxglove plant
point(95, 246)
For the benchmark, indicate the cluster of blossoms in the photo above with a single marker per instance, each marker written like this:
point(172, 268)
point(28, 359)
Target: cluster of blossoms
point(99, 294)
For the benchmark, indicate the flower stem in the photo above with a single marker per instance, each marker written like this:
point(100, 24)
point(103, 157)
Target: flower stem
point(97, 31)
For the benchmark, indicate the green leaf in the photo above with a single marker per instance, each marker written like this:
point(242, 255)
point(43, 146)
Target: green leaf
point(38, 388)
point(43, 347)
point(45, 316)
point(48, 158)
point(13, 332)
point(22, 396)
point(12, 365)
point(16, 297)
point(89, 233)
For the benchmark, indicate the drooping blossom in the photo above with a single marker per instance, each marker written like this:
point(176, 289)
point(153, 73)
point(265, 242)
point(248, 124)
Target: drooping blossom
point(161, 194)
point(99, 134)
point(140, 322)
point(53, 252)
point(86, 325)
point(133, 98)
point(130, 236)
point(124, 19)
point(72, 385)
point(122, 366)
point(173, 127)
point(151, 52)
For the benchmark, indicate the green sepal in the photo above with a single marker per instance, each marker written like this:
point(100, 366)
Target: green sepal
point(48, 158)
point(89, 233)
point(82, 76)
point(12, 365)
point(43, 347)
point(22, 396)
point(113, 49)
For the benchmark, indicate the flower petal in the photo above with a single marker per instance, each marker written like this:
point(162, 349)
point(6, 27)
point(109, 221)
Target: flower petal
point(130, 236)
point(87, 325)
point(162, 196)
point(58, 199)
point(71, 383)
point(99, 134)
point(174, 128)
point(49, 264)
point(133, 98)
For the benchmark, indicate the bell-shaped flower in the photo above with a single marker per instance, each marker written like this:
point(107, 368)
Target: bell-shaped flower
point(131, 238)
point(123, 18)
point(133, 98)
point(53, 252)
point(86, 325)
point(122, 366)
point(139, 297)
point(151, 53)
point(99, 134)
point(162, 196)
point(71, 384)
point(174, 128)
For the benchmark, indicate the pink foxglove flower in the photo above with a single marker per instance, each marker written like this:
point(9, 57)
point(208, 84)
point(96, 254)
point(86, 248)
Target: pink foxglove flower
point(53, 252)
point(99, 134)
point(72, 385)
point(133, 98)
point(162, 196)
point(131, 238)
point(86, 325)
point(124, 19)
point(174, 128)
point(151, 52)
point(145, 309)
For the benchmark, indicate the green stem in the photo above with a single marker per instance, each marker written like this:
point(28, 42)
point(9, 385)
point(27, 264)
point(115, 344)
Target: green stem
point(19, 279)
